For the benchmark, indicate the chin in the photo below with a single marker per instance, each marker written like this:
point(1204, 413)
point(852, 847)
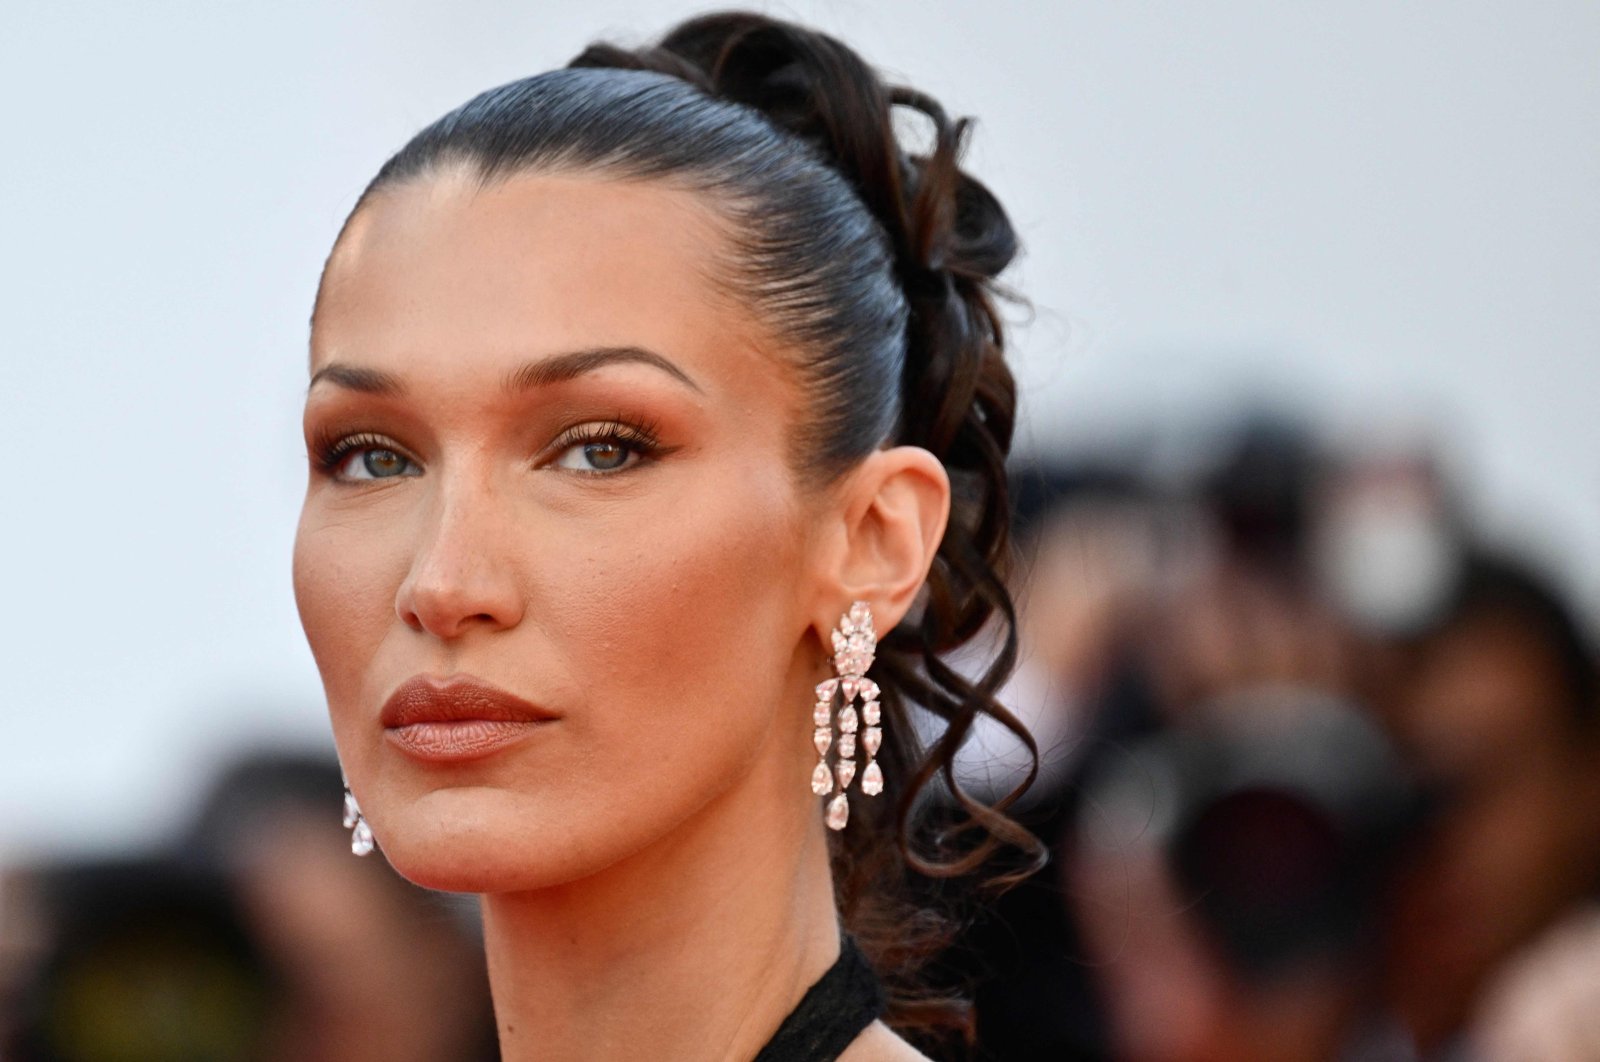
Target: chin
point(450, 866)
point(484, 840)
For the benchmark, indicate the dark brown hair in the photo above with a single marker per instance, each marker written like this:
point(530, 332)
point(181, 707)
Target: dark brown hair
point(877, 265)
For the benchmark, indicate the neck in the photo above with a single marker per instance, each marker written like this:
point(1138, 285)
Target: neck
point(695, 948)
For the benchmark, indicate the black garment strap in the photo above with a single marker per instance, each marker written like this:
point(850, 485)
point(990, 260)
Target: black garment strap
point(831, 1014)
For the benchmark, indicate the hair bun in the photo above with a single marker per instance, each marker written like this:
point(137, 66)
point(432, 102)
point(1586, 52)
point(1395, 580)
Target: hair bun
point(818, 89)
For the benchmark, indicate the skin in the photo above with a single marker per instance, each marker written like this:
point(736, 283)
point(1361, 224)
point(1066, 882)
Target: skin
point(653, 865)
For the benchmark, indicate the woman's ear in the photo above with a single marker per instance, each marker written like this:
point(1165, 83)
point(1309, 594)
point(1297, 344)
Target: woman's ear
point(893, 509)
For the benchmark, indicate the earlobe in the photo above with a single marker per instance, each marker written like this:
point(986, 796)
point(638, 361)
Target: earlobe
point(895, 506)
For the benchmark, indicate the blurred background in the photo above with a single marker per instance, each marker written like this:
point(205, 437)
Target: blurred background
point(1308, 507)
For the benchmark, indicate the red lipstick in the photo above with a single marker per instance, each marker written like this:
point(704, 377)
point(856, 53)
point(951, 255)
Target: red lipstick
point(458, 718)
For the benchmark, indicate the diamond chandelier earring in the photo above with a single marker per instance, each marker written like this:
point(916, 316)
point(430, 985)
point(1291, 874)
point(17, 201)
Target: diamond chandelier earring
point(356, 823)
point(854, 643)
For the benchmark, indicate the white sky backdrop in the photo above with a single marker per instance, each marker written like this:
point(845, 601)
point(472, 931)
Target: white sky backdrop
point(1354, 205)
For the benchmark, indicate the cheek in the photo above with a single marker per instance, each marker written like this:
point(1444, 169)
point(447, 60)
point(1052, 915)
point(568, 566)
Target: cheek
point(345, 578)
point(683, 627)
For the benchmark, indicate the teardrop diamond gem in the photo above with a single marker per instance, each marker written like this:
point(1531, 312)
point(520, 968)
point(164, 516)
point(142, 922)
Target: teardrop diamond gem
point(352, 812)
point(821, 780)
point(869, 712)
point(847, 720)
point(826, 689)
point(822, 739)
point(871, 740)
point(849, 687)
point(361, 839)
point(839, 641)
point(838, 812)
point(847, 745)
point(869, 689)
point(822, 714)
point(846, 770)
point(861, 614)
point(872, 779)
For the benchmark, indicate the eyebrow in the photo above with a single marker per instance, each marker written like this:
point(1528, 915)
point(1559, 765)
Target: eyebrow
point(561, 367)
point(355, 378)
point(540, 372)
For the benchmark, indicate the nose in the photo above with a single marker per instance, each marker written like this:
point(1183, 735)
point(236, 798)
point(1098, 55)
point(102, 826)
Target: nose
point(462, 576)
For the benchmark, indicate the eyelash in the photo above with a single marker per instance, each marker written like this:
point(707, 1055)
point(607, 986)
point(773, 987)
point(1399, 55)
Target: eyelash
point(330, 449)
point(637, 437)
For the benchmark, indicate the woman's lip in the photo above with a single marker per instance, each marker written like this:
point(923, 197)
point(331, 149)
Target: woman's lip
point(455, 699)
point(466, 739)
point(459, 717)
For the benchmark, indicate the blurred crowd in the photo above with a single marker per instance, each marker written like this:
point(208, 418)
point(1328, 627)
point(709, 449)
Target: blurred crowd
point(252, 935)
point(1318, 781)
point(1320, 774)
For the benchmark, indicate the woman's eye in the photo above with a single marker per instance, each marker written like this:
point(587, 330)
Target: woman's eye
point(597, 455)
point(376, 462)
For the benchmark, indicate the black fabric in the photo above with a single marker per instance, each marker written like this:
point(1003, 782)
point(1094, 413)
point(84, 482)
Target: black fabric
point(831, 1014)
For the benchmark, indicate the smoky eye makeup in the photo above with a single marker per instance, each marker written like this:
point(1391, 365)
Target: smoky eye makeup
point(599, 447)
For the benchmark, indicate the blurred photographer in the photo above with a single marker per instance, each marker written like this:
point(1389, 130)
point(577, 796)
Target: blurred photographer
point(1231, 874)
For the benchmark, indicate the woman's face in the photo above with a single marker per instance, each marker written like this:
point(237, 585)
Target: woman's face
point(548, 454)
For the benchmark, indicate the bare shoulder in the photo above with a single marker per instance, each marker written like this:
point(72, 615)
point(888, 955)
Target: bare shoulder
point(879, 1043)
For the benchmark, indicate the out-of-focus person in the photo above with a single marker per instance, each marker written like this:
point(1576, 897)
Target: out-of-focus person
point(1502, 717)
point(1223, 595)
point(1087, 537)
point(251, 937)
point(1253, 607)
point(1229, 874)
point(134, 959)
point(1236, 880)
point(368, 967)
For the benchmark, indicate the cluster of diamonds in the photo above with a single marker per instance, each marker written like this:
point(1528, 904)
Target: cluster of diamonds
point(854, 644)
point(356, 823)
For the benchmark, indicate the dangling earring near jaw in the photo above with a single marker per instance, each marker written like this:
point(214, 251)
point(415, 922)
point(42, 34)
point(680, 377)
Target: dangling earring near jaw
point(354, 821)
point(854, 643)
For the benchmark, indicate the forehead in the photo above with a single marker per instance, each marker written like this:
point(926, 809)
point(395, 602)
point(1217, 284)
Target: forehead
point(440, 272)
